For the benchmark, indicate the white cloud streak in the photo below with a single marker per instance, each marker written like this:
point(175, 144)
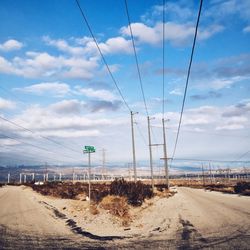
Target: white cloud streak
point(11, 45)
point(6, 104)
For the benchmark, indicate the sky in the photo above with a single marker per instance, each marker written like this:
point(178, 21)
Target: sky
point(55, 86)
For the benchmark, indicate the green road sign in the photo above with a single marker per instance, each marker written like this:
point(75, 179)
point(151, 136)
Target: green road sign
point(89, 149)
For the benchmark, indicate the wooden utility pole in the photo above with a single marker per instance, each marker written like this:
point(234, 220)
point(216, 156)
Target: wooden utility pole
point(150, 153)
point(203, 176)
point(210, 171)
point(103, 162)
point(8, 178)
point(133, 143)
point(165, 154)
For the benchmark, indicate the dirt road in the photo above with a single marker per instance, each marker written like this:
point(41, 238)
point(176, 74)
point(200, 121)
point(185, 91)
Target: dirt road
point(192, 219)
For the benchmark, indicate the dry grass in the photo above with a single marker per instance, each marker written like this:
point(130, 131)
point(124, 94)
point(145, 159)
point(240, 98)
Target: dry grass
point(117, 206)
point(93, 209)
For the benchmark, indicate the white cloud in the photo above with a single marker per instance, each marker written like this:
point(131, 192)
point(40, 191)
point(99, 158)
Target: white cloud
point(6, 66)
point(55, 88)
point(67, 107)
point(64, 46)
point(176, 92)
point(246, 29)
point(205, 118)
point(45, 65)
point(11, 45)
point(177, 34)
point(222, 9)
point(230, 127)
point(46, 122)
point(114, 45)
point(8, 142)
point(100, 94)
point(6, 104)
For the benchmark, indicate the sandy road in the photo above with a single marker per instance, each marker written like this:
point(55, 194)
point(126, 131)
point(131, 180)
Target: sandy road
point(192, 219)
point(213, 219)
point(25, 223)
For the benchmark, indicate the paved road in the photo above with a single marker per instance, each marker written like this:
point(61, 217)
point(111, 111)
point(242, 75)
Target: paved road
point(198, 219)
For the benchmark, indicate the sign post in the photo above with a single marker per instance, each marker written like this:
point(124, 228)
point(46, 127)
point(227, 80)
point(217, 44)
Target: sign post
point(88, 150)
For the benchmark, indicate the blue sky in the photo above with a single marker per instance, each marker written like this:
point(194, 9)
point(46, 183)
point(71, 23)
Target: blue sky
point(53, 81)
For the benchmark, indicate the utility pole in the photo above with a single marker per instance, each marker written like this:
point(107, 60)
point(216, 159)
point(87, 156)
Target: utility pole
point(165, 153)
point(203, 177)
point(46, 173)
point(20, 178)
point(150, 154)
point(73, 175)
point(133, 143)
point(210, 170)
point(8, 178)
point(103, 162)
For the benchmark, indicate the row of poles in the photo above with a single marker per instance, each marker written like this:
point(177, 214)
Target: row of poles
point(150, 145)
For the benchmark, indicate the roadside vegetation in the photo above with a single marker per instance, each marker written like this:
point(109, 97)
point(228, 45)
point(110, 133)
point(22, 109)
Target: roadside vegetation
point(242, 188)
point(117, 197)
point(134, 192)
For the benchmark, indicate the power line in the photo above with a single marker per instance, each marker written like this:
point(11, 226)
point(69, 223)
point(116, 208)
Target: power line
point(102, 56)
point(33, 145)
point(33, 132)
point(34, 158)
point(206, 133)
point(243, 155)
point(187, 79)
point(136, 58)
point(163, 60)
point(208, 160)
point(141, 134)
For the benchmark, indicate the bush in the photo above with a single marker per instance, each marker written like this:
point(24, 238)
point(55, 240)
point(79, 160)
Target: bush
point(241, 187)
point(135, 192)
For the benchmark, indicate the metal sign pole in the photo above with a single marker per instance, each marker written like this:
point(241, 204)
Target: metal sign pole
point(89, 176)
point(88, 150)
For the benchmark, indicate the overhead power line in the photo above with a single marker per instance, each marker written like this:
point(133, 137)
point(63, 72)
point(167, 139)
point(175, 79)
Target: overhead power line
point(136, 57)
point(209, 160)
point(243, 155)
point(31, 156)
point(35, 146)
point(33, 132)
point(102, 56)
point(205, 133)
point(163, 59)
point(187, 79)
point(141, 134)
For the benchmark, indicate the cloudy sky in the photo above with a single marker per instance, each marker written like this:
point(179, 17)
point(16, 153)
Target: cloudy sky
point(53, 81)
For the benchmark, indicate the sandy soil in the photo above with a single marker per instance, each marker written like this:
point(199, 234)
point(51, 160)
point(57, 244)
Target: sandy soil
point(191, 219)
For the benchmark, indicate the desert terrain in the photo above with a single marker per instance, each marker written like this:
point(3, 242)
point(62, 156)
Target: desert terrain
point(191, 219)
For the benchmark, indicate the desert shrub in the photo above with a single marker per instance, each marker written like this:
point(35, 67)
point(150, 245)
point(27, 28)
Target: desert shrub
point(116, 205)
point(93, 209)
point(241, 187)
point(62, 190)
point(97, 195)
point(135, 192)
